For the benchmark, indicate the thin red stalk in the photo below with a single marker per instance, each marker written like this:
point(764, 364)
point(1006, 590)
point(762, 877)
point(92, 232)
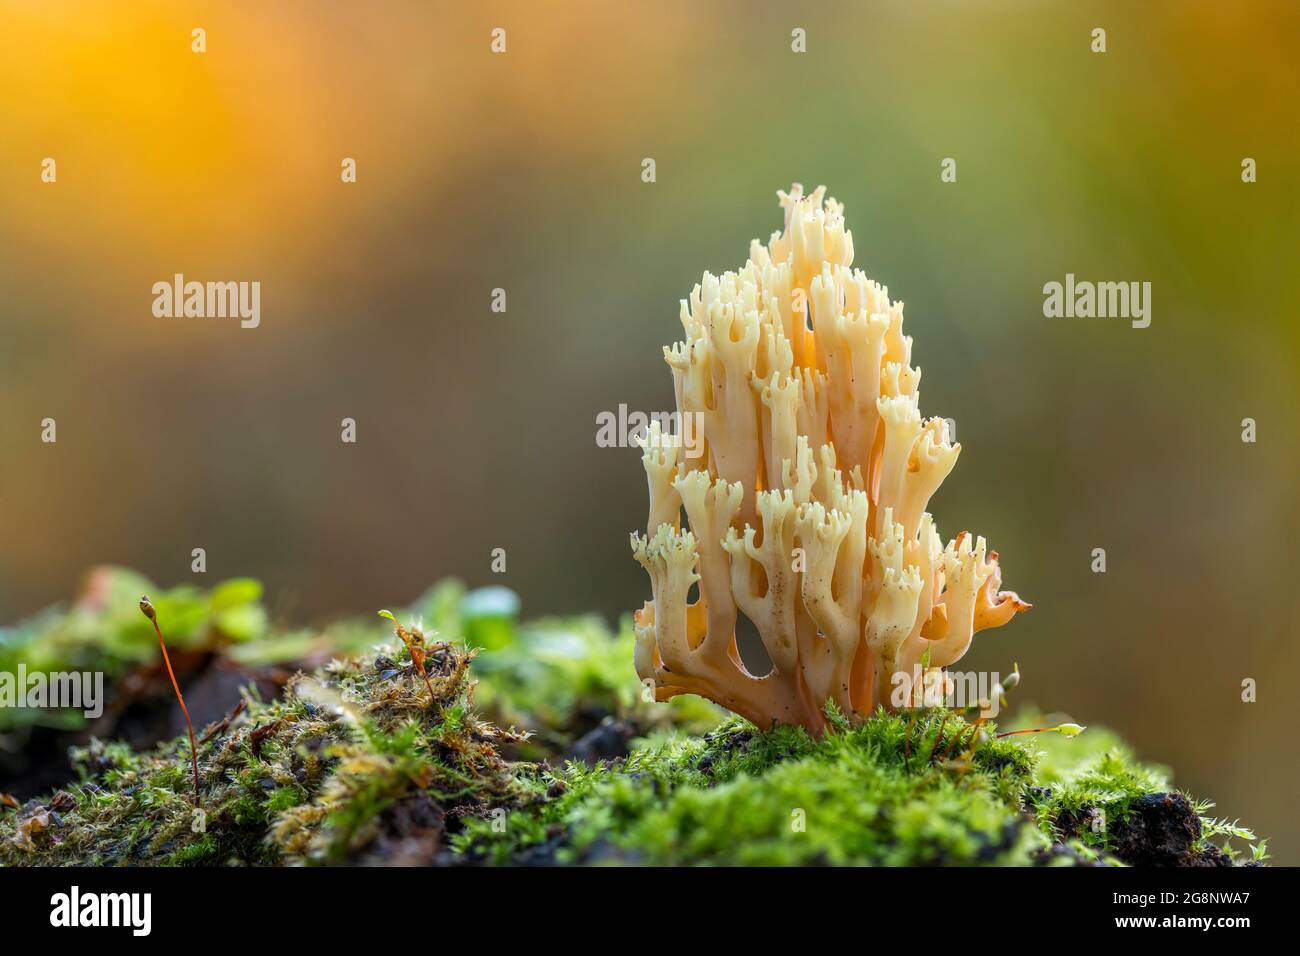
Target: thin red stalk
point(907, 744)
point(425, 675)
point(1035, 730)
point(147, 607)
point(974, 735)
point(938, 737)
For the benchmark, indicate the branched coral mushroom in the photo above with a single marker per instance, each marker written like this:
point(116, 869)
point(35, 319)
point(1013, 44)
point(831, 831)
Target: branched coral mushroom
point(806, 499)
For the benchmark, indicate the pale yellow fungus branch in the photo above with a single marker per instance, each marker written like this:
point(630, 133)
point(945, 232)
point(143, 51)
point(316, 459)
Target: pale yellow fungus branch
point(806, 505)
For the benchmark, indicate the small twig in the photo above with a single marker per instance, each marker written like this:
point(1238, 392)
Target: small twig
point(259, 735)
point(225, 721)
point(146, 606)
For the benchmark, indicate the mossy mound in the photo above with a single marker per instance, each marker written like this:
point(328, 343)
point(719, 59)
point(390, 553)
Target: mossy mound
point(904, 790)
point(568, 680)
point(355, 763)
point(365, 762)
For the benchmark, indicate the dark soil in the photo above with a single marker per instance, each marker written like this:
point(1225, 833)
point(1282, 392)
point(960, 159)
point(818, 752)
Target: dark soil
point(1161, 830)
point(411, 834)
point(609, 740)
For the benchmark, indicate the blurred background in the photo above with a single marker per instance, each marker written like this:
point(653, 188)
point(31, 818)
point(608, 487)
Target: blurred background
point(522, 171)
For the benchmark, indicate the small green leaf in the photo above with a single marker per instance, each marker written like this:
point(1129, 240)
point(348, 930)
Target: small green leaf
point(235, 593)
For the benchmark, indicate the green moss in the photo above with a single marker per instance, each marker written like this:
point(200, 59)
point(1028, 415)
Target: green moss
point(884, 793)
point(1089, 790)
point(560, 677)
point(357, 762)
point(896, 791)
point(308, 778)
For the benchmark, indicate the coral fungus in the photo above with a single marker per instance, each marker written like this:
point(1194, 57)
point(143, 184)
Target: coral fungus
point(807, 509)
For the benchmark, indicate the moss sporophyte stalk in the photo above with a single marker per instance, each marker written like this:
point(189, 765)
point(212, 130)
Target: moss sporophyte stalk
point(147, 608)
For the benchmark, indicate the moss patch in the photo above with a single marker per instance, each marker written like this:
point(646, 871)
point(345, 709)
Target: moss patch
point(355, 759)
point(896, 791)
point(359, 762)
